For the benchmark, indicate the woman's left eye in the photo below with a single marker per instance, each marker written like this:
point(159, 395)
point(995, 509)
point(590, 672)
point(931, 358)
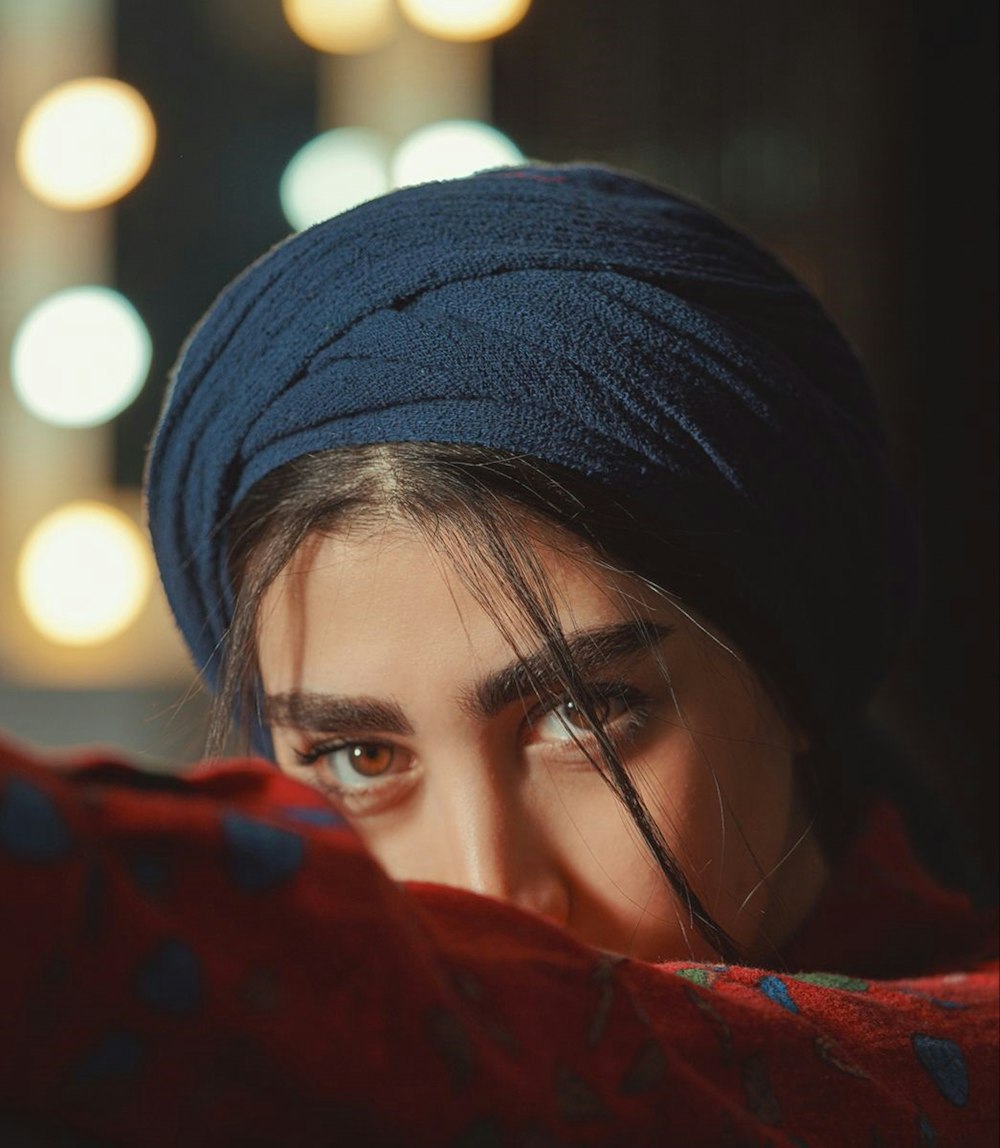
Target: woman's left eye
point(566, 721)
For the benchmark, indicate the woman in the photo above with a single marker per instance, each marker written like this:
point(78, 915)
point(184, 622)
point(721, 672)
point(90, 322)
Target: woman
point(540, 524)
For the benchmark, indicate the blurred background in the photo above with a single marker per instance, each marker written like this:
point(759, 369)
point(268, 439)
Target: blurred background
point(150, 150)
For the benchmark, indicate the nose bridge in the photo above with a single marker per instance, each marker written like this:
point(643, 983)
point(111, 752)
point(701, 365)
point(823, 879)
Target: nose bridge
point(496, 845)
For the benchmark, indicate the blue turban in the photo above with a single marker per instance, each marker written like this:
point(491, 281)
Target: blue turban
point(582, 317)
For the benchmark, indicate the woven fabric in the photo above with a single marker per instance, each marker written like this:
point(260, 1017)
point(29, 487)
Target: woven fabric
point(214, 959)
point(581, 317)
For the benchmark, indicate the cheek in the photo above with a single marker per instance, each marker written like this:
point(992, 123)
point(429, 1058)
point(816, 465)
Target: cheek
point(728, 781)
point(623, 902)
point(601, 843)
point(620, 900)
point(718, 783)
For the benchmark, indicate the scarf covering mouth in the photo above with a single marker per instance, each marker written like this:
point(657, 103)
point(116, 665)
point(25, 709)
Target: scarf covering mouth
point(582, 317)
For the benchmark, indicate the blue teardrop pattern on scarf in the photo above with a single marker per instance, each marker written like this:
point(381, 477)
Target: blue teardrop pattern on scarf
point(118, 1054)
point(171, 979)
point(261, 856)
point(775, 989)
point(31, 827)
point(943, 1061)
point(925, 1130)
point(151, 873)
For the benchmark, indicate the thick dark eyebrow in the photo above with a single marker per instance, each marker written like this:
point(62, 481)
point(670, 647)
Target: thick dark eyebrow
point(593, 652)
point(328, 712)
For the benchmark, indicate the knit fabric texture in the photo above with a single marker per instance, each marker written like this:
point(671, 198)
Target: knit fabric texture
point(582, 317)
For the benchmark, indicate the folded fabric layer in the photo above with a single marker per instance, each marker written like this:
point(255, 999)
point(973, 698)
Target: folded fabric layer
point(584, 318)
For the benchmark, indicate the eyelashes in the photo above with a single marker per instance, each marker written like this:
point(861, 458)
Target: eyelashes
point(355, 762)
point(362, 776)
point(367, 759)
point(619, 709)
point(369, 774)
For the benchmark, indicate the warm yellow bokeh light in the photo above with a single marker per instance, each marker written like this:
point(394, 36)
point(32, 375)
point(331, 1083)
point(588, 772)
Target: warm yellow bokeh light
point(464, 19)
point(332, 173)
point(84, 574)
point(86, 143)
point(349, 27)
point(451, 149)
point(80, 356)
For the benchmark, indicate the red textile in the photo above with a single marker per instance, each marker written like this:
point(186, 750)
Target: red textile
point(216, 960)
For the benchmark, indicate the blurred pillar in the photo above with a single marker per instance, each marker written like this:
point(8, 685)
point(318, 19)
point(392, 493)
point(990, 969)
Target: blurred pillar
point(42, 249)
point(412, 81)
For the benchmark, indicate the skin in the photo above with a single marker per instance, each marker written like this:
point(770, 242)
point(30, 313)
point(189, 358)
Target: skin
point(391, 689)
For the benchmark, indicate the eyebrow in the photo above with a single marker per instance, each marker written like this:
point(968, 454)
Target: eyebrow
point(304, 710)
point(592, 651)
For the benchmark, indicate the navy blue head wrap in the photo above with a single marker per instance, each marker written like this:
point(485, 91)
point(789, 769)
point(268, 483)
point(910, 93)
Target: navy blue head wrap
point(581, 317)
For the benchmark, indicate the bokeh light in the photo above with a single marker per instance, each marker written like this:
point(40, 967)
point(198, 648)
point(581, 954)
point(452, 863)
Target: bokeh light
point(86, 143)
point(464, 19)
point(83, 574)
point(450, 149)
point(333, 172)
point(349, 27)
point(80, 356)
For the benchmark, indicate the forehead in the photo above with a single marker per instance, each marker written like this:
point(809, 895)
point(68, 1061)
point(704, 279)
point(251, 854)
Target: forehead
point(365, 608)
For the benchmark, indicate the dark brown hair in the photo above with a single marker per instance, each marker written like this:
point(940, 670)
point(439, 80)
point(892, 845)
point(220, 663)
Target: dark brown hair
point(473, 504)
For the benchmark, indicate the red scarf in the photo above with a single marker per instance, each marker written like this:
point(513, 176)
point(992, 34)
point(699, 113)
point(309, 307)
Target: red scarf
point(215, 959)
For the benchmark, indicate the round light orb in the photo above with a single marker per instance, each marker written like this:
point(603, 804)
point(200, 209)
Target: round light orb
point(80, 356)
point(332, 173)
point(450, 149)
point(347, 27)
point(464, 19)
point(84, 574)
point(86, 143)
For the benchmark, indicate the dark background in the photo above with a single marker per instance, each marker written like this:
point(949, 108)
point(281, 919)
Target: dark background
point(856, 138)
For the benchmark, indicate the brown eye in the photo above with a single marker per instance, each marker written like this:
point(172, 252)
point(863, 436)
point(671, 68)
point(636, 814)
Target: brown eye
point(566, 720)
point(363, 774)
point(369, 760)
point(575, 716)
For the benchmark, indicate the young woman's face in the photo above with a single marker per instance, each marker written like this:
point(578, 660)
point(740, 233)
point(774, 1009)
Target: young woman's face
point(389, 688)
